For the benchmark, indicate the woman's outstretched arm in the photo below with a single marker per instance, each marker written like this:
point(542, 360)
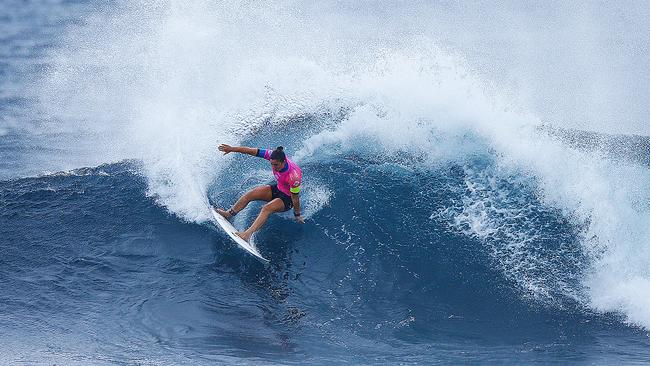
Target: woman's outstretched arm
point(240, 149)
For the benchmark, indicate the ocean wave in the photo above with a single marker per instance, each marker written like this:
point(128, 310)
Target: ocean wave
point(165, 83)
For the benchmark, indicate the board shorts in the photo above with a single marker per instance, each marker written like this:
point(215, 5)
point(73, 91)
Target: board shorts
point(276, 193)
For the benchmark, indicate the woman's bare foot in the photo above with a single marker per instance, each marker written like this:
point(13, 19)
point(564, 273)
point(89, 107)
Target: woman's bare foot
point(244, 235)
point(224, 213)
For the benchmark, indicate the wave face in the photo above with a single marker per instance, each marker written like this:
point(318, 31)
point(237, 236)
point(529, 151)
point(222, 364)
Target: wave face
point(447, 219)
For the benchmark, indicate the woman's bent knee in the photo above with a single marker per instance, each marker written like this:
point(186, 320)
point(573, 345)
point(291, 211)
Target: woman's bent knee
point(267, 209)
point(275, 205)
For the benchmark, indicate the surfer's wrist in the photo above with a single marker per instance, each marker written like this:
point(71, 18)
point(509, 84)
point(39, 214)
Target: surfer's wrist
point(296, 214)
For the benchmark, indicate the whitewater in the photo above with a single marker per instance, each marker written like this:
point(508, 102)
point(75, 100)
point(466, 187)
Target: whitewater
point(475, 182)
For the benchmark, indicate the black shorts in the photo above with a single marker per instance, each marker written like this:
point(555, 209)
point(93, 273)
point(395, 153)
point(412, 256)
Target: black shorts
point(276, 193)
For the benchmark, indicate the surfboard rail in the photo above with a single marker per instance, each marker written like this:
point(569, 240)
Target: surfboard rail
point(232, 233)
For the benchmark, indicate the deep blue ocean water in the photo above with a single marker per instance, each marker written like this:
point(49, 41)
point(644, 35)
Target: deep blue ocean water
point(408, 255)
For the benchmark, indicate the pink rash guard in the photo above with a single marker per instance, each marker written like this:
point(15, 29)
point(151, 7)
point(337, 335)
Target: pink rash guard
point(289, 178)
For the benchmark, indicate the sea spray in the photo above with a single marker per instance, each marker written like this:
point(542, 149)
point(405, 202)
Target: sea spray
point(166, 83)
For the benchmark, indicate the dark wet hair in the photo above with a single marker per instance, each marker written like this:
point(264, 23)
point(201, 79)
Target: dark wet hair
point(278, 154)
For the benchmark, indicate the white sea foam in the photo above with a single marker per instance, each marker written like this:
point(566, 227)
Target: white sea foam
point(165, 83)
point(500, 210)
point(316, 197)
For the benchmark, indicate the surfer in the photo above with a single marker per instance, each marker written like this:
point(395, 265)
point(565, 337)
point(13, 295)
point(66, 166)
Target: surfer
point(281, 196)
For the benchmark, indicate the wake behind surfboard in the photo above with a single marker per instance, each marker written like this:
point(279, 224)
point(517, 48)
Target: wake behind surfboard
point(232, 233)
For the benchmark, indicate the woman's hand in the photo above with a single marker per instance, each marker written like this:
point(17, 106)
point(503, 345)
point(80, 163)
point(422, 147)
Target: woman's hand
point(300, 219)
point(225, 148)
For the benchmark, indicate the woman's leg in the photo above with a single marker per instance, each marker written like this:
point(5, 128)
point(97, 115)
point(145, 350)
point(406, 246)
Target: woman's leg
point(260, 193)
point(276, 205)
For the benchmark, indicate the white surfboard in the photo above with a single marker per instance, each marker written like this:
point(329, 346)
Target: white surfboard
point(232, 233)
